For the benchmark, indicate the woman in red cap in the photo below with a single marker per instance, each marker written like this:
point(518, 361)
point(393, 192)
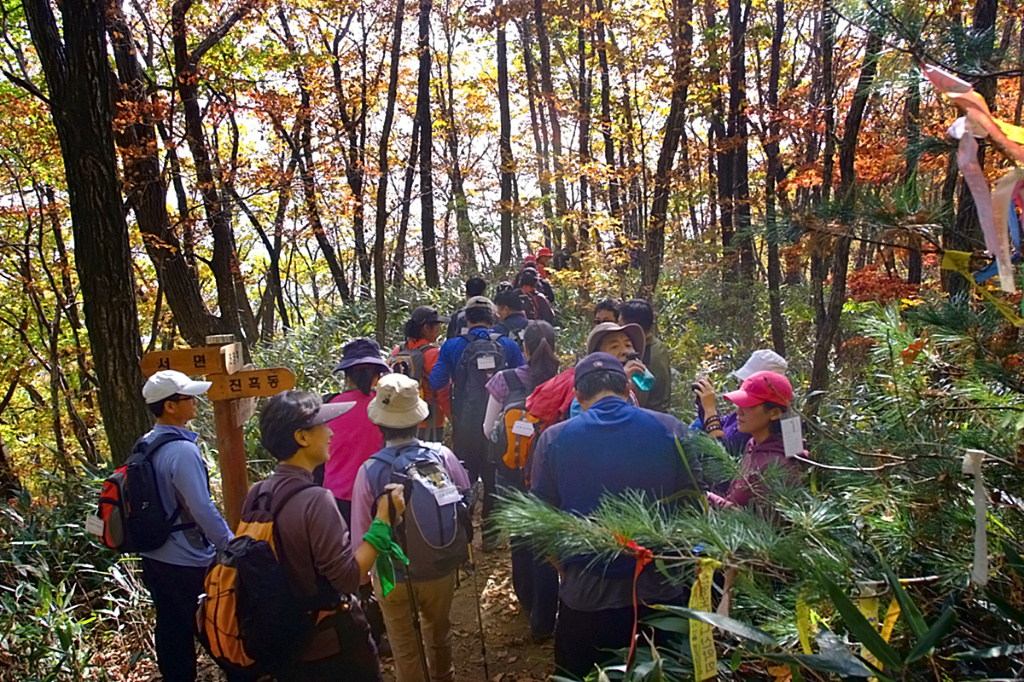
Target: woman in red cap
point(761, 402)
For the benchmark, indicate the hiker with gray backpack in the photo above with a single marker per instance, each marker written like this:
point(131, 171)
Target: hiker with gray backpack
point(434, 533)
point(468, 362)
point(415, 358)
point(512, 431)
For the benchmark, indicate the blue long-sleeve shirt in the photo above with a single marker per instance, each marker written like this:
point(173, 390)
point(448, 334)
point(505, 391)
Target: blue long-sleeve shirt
point(181, 478)
point(611, 448)
point(452, 350)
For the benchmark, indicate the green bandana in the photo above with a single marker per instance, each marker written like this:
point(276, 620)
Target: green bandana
point(379, 536)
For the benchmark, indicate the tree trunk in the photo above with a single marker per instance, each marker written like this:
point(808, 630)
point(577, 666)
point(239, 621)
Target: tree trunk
point(224, 262)
point(614, 207)
point(584, 123)
point(828, 330)
point(738, 136)
point(778, 322)
point(913, 125)
point(538, 124)
point(147, 190)
point(964, 234)
point(827, 79)
point(353, 157)
point(77, 75)
point(723, 154)
point(655, 245)
point(382, 183)
point(463, 224)
point(398, 262)
point(508, 169)
point(426, 151)
point(548, 88)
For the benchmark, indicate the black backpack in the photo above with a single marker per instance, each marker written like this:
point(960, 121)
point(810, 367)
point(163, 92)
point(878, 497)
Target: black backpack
point(131, 516)
point(482, 359)
point(434, 531)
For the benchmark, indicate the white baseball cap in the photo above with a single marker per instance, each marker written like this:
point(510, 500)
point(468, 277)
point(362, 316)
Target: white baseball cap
point(168, 382)
point(762, 361)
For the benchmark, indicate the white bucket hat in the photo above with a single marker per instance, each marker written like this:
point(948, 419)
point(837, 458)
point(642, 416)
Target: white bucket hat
point(397, 404)
point(762, 361)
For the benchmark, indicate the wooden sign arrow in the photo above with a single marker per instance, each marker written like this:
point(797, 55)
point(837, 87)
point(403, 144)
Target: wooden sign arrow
point(206, 360)
point(250, 383)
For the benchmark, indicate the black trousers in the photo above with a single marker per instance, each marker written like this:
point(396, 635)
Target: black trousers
point(175, 591)
point(584, 639)
point(473, 448)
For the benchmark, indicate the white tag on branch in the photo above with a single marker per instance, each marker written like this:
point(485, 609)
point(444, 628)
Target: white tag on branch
point(792, 436)
point(94, 525)
point(522, 428)
point(972, 467)
point(485, 362)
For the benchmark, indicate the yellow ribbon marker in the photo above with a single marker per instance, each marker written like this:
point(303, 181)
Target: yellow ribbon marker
point(891, 616)
point(960, 261)
point(868, 605)
point(702, 638)
point(803, 622)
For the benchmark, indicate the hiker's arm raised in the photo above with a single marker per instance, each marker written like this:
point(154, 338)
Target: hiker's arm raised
point(366, 554)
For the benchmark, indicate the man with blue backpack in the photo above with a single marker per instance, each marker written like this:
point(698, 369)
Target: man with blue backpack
point(434, 532)
point(468, 362)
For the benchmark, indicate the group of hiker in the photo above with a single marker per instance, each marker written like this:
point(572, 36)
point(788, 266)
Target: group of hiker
point(368, 516)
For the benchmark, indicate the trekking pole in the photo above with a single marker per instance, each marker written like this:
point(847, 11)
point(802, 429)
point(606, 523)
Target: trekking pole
point(479, 613)
point(413, 606)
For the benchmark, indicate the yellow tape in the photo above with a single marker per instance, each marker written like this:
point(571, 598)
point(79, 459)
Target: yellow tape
point(803, 622)
point(959, 261)
point(702, 638)
point(869, 609)
point(891, 616)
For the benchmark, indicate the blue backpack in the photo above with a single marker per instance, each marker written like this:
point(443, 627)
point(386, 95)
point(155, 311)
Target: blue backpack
point(434, 532)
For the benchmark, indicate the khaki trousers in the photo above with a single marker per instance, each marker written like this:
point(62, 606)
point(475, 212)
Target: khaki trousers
point(434, 599)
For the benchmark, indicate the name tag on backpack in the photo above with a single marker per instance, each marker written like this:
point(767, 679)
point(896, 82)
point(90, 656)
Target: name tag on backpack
point(522, 428)
point(447, 495)
point(485, 362)
point(94, 525)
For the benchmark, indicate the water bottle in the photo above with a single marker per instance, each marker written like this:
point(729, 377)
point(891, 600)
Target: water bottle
point(645, 380)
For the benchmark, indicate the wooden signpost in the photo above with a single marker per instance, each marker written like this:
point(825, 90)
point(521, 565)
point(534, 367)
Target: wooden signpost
point(233, 393)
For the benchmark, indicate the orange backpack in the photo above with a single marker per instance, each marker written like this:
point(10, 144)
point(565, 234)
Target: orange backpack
point(248, 618)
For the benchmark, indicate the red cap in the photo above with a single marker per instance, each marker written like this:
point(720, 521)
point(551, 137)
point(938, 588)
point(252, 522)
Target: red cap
point(530, 259)
point(544, 251)
point(762, 387)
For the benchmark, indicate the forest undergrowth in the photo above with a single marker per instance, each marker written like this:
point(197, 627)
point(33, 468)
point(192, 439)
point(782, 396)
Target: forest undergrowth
point(920, 380)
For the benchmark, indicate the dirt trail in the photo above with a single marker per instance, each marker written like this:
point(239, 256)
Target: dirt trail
point(512, 656)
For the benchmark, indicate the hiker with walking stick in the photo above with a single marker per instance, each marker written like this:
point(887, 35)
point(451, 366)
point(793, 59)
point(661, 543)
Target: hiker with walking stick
point(434, 533)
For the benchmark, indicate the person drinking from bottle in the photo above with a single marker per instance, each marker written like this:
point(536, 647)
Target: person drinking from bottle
point(655, 356)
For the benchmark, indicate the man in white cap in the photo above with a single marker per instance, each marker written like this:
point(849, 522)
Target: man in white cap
point(175, 571)
point(725, 428)
point(398, 410)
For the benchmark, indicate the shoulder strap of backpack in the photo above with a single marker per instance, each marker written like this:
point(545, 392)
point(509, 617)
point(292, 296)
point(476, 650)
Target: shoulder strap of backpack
point(285, 494)
point(514, 383)
point(147, 450)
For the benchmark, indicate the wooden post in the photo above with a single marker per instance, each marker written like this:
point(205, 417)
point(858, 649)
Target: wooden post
point(230, 450)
